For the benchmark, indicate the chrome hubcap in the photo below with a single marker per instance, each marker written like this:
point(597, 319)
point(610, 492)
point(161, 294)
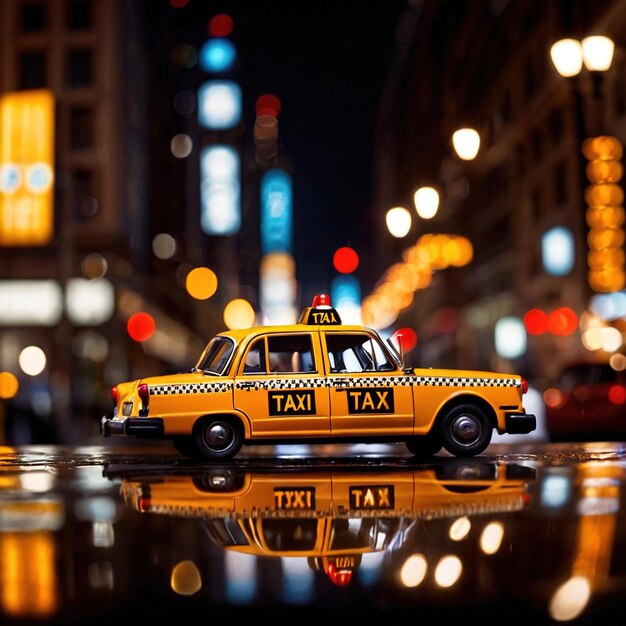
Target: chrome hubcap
point(465, 428)
point(218, 435)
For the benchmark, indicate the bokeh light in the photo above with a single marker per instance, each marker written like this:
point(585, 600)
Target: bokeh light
point(220, 25)
point(94, 266)
point(201, 283)
point(398, 221)
point(268, 104)
point(181, 145)
point(426, 201)
point(141, 326)
point(217, 55)
point(186, 579)
point(562, 321)
point(239, 313)
point(466, 143)
point(32, 360)
point(164, 246)
point(414, 570)
point(536, 322)
point(9, 385)
point(345, 260)
point(406, 337)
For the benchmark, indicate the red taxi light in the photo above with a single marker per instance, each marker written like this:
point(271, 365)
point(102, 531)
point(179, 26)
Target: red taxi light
point(321, 299)
point(524, 386)
point(115, 394)
point(144, 393)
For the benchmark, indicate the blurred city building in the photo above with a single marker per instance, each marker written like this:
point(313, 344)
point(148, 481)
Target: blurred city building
point(69, 293)
point(537, 293)
point(147, 201)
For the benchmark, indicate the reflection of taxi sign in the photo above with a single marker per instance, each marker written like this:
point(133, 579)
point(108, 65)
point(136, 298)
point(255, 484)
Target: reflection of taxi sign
point(38, 177)
point(373, 498)
point(10, 177)
point(294, 499)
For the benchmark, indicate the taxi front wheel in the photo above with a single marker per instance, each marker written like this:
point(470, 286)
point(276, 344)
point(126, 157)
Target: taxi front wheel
point(218, 437)
point(465, 430)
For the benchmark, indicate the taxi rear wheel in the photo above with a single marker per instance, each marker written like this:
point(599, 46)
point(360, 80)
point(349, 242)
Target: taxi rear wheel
point(465, 430)
point(218, 437)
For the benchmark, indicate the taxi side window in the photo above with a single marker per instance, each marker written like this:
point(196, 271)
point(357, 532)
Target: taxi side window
point(255, 359)
point(291, 353)
point(356, 353)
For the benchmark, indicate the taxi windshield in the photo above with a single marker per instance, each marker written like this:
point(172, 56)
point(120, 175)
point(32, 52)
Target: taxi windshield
point(216, 356)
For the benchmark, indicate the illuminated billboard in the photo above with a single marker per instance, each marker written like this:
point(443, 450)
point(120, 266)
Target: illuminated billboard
point(276, 211)
point(26, 168)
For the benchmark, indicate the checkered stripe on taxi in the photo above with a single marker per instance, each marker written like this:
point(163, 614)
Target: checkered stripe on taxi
point(457, 381)
point(284, 383)
point(188, 388)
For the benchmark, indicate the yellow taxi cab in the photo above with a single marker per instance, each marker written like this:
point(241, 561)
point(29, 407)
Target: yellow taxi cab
point(330, 517)
point(312, 382)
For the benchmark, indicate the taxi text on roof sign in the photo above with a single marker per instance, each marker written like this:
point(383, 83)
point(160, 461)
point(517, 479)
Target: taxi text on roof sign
point(317, 381)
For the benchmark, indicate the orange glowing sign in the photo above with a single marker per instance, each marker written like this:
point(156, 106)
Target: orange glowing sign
point(26, 168)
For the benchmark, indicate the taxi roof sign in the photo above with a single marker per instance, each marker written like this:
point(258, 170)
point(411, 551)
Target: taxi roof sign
point(320, 313)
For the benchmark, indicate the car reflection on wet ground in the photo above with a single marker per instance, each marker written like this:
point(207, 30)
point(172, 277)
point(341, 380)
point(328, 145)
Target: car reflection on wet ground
point(105, 534)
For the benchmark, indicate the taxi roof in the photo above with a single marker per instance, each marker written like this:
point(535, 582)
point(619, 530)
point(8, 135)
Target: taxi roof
point(242, 333)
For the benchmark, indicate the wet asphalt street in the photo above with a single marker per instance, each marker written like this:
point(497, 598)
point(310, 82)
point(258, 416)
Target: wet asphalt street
point(532, 532)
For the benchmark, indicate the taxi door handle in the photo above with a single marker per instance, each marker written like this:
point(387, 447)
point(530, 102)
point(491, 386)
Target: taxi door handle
point(342, 383)
point(246, 384)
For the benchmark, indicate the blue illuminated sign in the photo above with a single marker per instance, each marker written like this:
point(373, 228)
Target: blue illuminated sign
point(220, 190)
point(276, 212)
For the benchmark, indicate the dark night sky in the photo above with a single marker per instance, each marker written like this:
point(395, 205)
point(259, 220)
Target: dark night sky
point(327, 61)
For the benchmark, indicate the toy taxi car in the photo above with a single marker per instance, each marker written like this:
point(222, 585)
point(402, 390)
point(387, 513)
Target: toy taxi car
point(317, 381)
point(332, 518)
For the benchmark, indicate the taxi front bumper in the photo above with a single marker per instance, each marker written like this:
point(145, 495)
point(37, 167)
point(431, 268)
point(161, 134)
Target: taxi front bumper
point(147, 427)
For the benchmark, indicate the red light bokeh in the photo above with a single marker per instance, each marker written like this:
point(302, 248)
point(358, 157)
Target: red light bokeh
point(221, 25)
point(536, 322)
point(345, 260)
point(407, 338)
point(141, 326)
point(268, 104)
point(562, 321)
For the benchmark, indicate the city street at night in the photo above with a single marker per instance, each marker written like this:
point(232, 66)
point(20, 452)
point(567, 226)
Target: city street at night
point(312, 311)
point(524, 534)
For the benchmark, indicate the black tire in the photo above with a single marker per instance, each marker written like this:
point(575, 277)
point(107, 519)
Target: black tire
point(423, 446)
point(218, 438)
point(185, 446)
point(465, 430)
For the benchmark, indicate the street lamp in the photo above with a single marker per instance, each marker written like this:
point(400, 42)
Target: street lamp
point(466, 142)
point(594, 52)
point(398, 222)
point(426, 201)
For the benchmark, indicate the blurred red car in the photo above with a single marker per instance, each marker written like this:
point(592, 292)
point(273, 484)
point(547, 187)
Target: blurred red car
point(588, 403)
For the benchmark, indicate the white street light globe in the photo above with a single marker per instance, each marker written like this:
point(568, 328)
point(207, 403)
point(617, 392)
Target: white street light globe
point(32, 360)
point(597, 53)
point(567, 56)
point(398, 221)
point(466, 142)
point(426, 201)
